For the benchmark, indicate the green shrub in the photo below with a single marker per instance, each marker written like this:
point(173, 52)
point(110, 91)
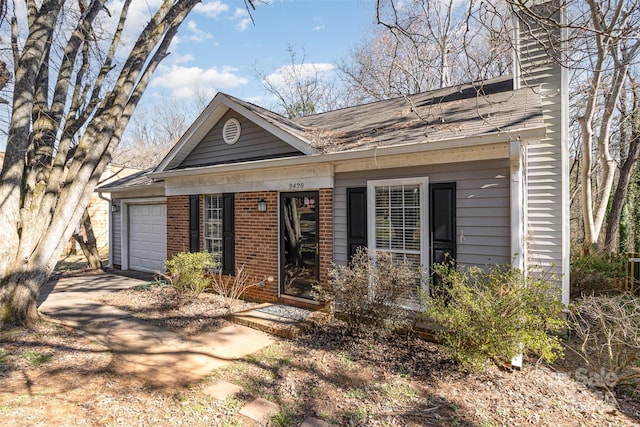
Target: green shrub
point(186, 273)
point(598, 274)
point(370, 292)
point(494, 315)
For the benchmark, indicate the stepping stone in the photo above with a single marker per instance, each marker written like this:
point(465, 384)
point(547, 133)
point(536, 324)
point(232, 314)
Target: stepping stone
point(260, 410)
point(222, 390)
point(314, 422)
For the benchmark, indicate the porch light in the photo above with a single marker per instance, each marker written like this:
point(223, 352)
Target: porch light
point(262, 205)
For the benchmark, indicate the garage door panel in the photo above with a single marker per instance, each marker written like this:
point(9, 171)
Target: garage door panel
point(147, 237)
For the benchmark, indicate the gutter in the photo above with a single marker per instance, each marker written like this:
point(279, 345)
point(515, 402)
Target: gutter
point(124, 189)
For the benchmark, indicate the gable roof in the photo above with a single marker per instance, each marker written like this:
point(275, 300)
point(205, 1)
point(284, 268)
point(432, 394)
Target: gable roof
point(457, 112)
point(221, 103)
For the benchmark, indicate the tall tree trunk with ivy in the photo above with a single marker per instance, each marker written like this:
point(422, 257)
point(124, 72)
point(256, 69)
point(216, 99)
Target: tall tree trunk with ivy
point(629, 139)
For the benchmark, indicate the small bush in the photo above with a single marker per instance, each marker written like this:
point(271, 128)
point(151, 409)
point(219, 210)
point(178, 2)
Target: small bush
point(608, 328)
point(186, 273)
point(598, 274)
point(233, 288)
point(370, 291)
point(494, 315)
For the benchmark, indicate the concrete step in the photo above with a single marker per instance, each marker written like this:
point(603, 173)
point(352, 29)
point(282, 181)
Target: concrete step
point(277, 319)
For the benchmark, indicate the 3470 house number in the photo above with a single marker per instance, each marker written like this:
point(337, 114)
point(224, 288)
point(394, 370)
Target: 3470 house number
point(296, 186)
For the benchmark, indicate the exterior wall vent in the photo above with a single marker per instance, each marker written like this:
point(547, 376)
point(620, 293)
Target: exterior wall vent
point(231, 131)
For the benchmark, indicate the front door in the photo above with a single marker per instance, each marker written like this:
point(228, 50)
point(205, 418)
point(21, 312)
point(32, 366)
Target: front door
point(298, 243)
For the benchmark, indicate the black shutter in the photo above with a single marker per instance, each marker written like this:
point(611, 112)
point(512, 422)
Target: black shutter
point(228, 239)
point(443, 221)
point(356, 219)
point(194, 223)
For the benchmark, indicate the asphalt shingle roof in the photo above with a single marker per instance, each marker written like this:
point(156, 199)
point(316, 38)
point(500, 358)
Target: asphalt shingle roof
point(467, 110)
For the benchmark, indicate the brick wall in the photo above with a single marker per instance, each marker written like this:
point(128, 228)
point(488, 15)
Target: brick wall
point(177, 225)
point(256, 237)
point(326, 233)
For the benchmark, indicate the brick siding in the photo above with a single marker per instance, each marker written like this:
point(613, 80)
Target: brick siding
point(256, 238)
point(177, 225)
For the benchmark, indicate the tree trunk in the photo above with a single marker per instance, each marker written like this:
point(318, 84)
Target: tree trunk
point(292, 226)
point(90, 245)
point(57, 148)
point(20, 295)
point(620, 195)
point(629, 134)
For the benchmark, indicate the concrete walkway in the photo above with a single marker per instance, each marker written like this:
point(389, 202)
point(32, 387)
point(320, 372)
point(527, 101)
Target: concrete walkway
point(158, 356)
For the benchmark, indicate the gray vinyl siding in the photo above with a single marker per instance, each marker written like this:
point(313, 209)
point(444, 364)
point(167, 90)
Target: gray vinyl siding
point(482, 207)
point(254, 143)
point(546, 182)
point(116, 233)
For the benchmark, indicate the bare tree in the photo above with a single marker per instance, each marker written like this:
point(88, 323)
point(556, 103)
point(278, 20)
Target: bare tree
point(72, 100)
point(607, 35)
point(604, 48)
point(153, 131)
point(301, 88)
point(423, 45)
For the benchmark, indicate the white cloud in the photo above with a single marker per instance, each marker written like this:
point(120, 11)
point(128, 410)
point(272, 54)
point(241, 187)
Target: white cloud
point(182, 59)
point(288, 73)
point(242, 18)
point(197, 35)
point(186, 82)
point(211, 8)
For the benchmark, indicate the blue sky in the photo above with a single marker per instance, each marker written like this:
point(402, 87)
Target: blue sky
point(219, 49)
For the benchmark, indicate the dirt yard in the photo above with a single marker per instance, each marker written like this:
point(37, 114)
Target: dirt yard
point(53, 377)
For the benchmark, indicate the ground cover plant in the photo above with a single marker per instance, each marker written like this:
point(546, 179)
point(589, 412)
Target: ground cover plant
point(596, 274)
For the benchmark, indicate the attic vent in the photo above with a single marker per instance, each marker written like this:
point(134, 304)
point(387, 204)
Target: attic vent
point(231, 131)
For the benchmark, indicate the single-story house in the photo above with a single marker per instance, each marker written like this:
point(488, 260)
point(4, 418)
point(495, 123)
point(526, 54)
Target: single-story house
point(477, 171)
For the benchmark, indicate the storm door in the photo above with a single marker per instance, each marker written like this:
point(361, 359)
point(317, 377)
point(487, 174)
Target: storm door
point(299, 243)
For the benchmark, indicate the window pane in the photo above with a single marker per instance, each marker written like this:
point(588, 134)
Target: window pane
point(412, 196)
point(213, 224)
point(382, 196)
point(399, 227)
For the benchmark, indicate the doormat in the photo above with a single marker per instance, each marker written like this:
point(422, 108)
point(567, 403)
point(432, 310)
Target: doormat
point(286, 311)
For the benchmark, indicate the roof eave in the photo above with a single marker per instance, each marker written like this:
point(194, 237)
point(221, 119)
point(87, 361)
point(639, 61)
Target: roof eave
point(125, 189)
point(524, 135)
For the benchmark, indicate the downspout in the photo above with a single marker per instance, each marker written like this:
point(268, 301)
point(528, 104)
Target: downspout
point(518, 206)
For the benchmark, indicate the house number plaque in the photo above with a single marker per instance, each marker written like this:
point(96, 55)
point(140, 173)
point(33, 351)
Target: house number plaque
point(296, 186)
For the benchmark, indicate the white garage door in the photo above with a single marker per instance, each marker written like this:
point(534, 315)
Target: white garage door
point(147, 237)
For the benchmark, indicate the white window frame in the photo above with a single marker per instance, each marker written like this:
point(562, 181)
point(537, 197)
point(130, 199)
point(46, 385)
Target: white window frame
point(208, 241)
point(423, 183)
